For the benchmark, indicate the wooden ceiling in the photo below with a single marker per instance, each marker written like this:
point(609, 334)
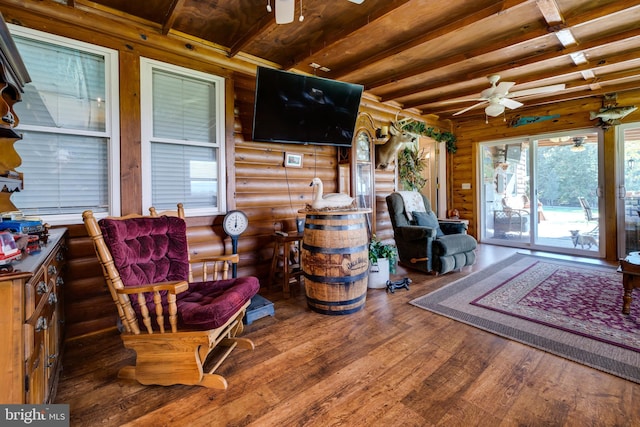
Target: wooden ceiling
point(420, 54)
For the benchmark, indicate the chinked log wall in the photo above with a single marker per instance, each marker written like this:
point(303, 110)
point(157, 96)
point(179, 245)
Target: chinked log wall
point(265, 190)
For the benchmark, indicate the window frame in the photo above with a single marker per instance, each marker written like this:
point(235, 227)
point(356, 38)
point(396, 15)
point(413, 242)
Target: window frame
point(147, 66)
point(112, 119)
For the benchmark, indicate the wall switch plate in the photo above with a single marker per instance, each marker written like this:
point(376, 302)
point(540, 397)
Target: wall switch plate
point(466, 186)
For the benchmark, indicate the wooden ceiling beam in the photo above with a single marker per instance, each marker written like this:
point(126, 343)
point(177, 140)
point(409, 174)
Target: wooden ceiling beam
point(172, 14)
point(266, 22)
point(331, 39)
point(399, 48)
point(474, 55)
point(601, 62)
point(635, 33)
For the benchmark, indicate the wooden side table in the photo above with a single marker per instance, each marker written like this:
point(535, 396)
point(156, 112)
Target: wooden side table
point(630, 269)
point(291, 269)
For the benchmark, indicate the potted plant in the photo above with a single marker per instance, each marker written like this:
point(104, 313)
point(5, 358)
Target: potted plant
point(382, 262)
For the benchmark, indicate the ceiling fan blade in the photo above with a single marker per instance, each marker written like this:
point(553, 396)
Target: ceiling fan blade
point(284, 11)
point(510, 103)
point(503, 88)
point(537, 90)
point(470, 108)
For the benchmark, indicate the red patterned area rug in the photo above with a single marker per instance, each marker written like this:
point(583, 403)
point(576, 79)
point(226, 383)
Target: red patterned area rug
point(570, 309)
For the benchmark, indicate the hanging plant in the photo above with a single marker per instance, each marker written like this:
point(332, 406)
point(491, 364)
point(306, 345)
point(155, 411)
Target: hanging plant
point(411, 164)
point(420, 128)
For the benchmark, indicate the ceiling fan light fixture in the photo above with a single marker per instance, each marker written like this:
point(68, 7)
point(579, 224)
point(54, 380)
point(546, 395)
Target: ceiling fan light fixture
point(285, 11)
point(494, 110)
point(357, 1)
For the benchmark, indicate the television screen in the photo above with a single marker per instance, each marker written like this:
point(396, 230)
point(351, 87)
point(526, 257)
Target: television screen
point(294, 108)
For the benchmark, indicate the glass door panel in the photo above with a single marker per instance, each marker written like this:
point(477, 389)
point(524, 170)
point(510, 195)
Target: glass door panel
point(567, 191)
point(629, 209)
point(506, 209)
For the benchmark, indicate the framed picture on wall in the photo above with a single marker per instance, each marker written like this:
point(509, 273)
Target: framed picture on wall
point(292, 160)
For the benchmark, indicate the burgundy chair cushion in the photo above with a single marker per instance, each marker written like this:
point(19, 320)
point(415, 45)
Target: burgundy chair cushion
point(151, 250)
point(209, 305)
point(148, 250)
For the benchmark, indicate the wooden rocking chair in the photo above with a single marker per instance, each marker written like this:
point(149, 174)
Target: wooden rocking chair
point(180, 329)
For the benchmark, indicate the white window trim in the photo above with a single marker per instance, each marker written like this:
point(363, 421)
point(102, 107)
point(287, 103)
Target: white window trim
point(112, 118)
point(146, 105)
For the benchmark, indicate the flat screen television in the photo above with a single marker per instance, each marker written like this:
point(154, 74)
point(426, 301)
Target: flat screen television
point(299, 109)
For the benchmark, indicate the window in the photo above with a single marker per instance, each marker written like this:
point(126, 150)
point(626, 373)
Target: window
point(69, 121)
point(182, 137)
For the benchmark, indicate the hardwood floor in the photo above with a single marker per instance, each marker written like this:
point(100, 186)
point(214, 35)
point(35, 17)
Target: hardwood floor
point(391, 364)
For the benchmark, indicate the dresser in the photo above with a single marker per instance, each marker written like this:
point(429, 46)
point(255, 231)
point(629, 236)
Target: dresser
point(32, 320)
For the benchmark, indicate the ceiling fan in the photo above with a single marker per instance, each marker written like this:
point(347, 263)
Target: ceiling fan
point(285, 10)
point(498, 96)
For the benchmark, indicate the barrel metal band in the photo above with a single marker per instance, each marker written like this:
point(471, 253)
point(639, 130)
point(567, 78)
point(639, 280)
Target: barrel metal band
point(339, 217)
point(311, 301)
point(347, 280)
point(357, 226)
point(333, 312)
point(348, 250)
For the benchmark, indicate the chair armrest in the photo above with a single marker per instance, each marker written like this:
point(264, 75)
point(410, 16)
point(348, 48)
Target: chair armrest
point(171, 287)
point(416, 232)
point(453, 227)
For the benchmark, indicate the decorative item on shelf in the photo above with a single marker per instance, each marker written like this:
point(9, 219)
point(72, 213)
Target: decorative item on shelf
point(411, 164)
point(382, 262)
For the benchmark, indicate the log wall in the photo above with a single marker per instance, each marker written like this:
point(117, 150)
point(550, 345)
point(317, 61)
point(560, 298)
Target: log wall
point(258, 183)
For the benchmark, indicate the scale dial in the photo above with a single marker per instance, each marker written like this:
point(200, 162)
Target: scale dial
point(235, 223)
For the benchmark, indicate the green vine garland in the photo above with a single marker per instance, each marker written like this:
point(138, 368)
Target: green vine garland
point(421, 129)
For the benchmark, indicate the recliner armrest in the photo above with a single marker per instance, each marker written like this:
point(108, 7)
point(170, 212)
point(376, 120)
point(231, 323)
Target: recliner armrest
point(416, 232)
point(453, 227)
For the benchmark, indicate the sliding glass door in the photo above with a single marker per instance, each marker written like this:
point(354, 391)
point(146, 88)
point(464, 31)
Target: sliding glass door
point(629, 189)
point(542, 192)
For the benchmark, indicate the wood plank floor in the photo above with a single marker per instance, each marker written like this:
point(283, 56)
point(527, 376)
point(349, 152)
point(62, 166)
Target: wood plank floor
point(391, 364)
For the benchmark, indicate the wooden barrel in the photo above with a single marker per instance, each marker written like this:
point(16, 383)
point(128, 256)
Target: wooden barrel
point(335, 261)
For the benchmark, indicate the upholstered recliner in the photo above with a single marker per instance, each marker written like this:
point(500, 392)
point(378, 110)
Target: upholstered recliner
point(437, 246)
point(172, 322)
